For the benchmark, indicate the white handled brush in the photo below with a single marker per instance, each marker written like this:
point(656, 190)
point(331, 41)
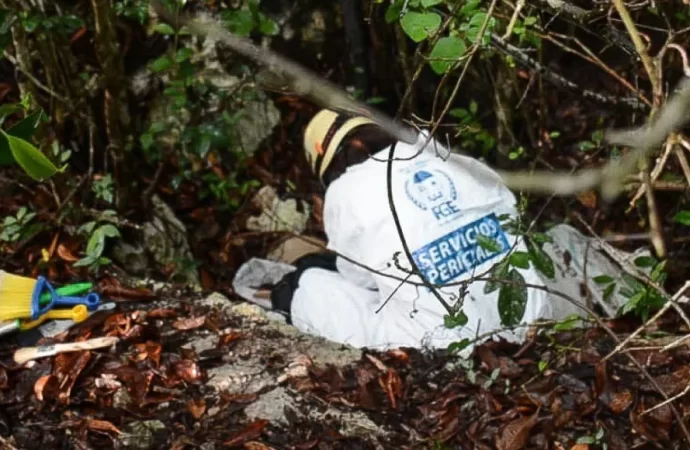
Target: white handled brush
point(27, 354)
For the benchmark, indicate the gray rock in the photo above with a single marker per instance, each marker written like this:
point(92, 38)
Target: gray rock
point(271, 406)
point(218, 300)
point(353, 424)
point(258, 119)
point(241, 377)
point(140, 434)
point(201, 344)
point(132, 257)
point(165, 238)
point(248, 310)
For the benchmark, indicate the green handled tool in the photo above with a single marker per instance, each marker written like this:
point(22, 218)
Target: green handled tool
point(67, 291)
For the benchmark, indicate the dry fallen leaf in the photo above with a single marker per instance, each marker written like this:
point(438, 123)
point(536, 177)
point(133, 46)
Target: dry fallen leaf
point(196, 407)
point(112, 287)
point(187, 370)
point(580, 447)
point(39, 385)
point(515, 434)
point(620, 401)
point(253, 445)
point(655, 425)
point(392, 386)
point(251, 432)
point(190, 323)
point(588, 199)
point(227, 338)
point(101, 425)
point(162, 313)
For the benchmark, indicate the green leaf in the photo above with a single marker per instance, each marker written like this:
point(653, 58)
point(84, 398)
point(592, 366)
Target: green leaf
point(87, 228)
point(86, 261)
point(645, 261)
point(603, 279)
point(458, 113)
point(268, 26)
point(608, 292)
point(183, 54)
point(25, 128)
point(531, 20)
point(428, 3)
point(446, 47)
point(161, 64)
point(419, 26)
point(542, 365)
point(109, 230)
point(376, 100)
point(498, 272)
point(146, 140)
point(568, 323)
point(512, 299)
point(458, 320)
point(34, 163)
point(393, 12)
point(658, 272)
point(473, 107)
point(634, 301)
point(488, 244)
point(8, 109)
point(519, 259)
point(96, 244)
point(457, 347)
point(239, 22)
point(469, 7)
point(682, 217)
point(164, 28)
point(6, 157)
point(541, 260)
point(540, 238)
point(6, 20)
point(31, 23)
point(475, 26)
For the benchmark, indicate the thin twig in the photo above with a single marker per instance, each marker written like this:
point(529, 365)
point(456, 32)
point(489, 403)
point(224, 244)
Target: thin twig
point(680, 154)
point(656, 172)
point(513, 19)
point(667, 401)
point(559, 80)
point(594, 59)
point(647, 62)
point(655, 226)
point(653, 319)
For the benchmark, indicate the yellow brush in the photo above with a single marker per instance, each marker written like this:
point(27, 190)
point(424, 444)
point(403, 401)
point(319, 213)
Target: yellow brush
point(77, 314)
point(28, 298)
point(19, 297)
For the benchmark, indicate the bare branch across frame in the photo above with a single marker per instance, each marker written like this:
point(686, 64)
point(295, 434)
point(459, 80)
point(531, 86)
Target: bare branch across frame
point(609, 179)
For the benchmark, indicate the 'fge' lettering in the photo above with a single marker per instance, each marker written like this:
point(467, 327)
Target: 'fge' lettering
point(444, 210)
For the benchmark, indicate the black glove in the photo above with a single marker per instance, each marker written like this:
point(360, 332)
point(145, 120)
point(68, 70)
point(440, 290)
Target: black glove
point(281, 294)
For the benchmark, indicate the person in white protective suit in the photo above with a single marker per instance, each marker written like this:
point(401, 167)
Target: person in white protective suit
point(443, 204)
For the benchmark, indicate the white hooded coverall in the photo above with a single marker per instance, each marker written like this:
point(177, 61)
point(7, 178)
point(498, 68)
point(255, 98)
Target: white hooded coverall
point(442, 206)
